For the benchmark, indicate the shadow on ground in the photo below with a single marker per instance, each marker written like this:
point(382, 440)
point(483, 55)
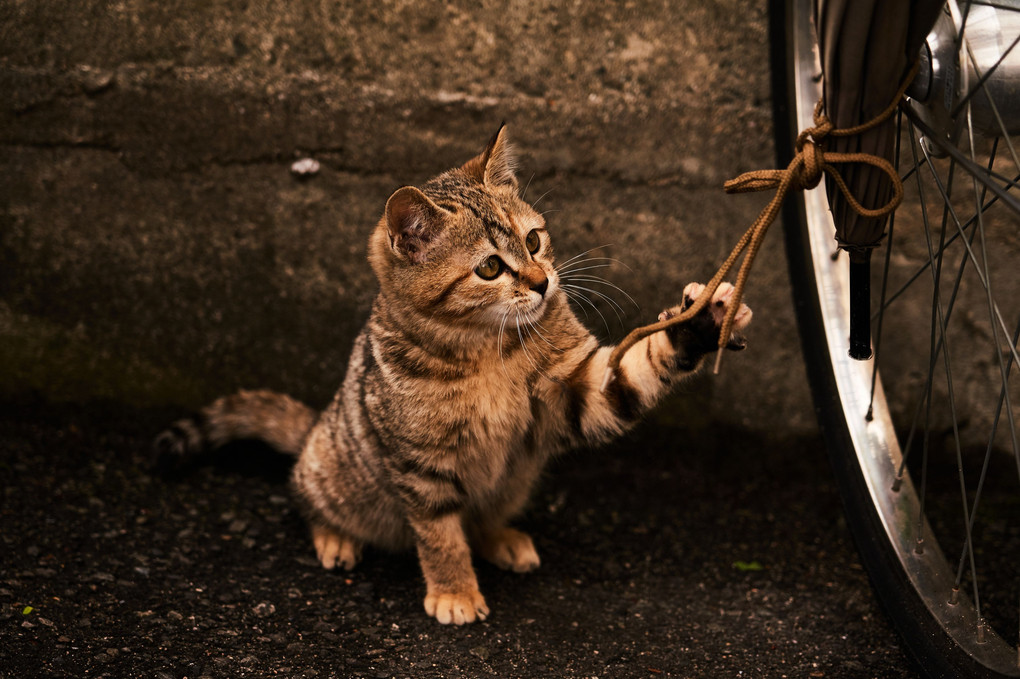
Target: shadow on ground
point(679, 551)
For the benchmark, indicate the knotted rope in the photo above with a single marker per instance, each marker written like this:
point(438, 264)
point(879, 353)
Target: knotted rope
point(810, 162)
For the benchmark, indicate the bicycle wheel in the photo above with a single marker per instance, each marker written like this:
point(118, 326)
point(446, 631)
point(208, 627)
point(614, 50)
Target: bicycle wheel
point(941, 544)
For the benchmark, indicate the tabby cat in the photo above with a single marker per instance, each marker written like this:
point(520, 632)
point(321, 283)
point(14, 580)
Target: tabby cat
point(471, 372)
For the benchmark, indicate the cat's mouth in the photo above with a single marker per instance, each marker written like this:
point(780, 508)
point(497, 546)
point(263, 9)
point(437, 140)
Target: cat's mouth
point(532, 309)
point(528, 314)
point(524, 310)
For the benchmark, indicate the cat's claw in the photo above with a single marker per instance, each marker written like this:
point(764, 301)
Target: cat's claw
point(511, 550)
point(699, 335)
point(720, 304)
point(457, 608)
point(716, 310)
point(334, 549)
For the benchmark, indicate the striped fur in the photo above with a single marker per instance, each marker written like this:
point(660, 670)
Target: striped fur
point(458, 389)
point(276, 419)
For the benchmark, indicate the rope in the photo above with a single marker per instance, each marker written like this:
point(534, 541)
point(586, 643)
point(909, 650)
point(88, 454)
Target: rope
point(804, 172)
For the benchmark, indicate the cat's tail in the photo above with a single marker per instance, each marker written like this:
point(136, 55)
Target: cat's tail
point(276, 419)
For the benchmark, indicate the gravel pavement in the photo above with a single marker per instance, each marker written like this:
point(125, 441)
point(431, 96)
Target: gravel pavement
point(679, 551)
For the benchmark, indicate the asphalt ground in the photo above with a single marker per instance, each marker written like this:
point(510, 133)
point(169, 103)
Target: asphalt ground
point(683, 550)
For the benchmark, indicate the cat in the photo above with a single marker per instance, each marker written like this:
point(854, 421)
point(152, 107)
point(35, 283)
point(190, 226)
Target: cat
point(470, 373)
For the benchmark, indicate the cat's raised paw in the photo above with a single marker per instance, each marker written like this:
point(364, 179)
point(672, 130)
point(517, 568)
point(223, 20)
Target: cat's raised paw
point(335, 549)
point(457, 608)
point(700, 334)
point(510, 549)
point(720, 304)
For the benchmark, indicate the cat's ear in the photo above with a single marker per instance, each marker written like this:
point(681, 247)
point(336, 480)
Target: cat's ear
point(496, 166)
point(414, 222)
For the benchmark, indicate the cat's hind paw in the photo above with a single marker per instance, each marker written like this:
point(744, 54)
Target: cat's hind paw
point(335, 549)
point(457, 608)
point(510, 549)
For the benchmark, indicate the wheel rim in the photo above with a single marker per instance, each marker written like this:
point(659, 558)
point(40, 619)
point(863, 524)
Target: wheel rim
point(898, 497)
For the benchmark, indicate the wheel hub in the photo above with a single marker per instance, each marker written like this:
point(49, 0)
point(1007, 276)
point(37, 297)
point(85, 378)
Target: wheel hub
point(949, 72)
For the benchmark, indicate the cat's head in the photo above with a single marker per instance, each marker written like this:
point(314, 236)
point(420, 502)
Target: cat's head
point(465, 248)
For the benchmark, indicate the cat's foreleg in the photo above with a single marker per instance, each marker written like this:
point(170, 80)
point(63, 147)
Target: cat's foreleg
point(647, 371)
point(452, 594)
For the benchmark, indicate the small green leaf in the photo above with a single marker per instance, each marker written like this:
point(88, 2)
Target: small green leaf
point(26, 610)
point(748, 566)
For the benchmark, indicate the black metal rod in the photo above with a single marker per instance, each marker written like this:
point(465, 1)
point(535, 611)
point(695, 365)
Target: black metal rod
point(860, 306)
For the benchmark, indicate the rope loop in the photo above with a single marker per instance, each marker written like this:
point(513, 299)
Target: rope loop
point(810, 162)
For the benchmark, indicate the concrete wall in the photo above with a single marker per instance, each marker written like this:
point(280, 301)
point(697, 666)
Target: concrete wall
point(155, 249)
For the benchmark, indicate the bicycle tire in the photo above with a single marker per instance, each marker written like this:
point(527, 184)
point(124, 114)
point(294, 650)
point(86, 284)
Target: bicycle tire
point(938, 652)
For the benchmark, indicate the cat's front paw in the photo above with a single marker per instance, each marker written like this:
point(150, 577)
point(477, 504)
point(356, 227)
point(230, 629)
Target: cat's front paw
point(700, 335)
point(456, 607)
point(509, 549)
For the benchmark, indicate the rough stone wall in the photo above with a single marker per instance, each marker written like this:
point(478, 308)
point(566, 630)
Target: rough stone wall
point(155, 248)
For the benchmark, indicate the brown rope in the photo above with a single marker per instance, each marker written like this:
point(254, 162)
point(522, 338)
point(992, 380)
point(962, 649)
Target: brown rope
point(804, 172)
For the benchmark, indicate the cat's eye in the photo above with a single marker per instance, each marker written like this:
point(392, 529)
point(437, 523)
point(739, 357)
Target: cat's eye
point(533, 241)
point(490, 268)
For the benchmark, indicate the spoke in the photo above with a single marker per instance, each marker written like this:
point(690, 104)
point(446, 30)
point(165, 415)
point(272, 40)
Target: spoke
point(885, 279)
point(952, 239)
point(963, 26)
point(1004, 368)
point(967, 245)
point(991, 102)
point(967, 552)
point(1003, 397)
point(1008, 183)
point(959, 157)
point(947, 365)
point(919, 539)
point(982, 77)
point(911, 171)
point(925, 398)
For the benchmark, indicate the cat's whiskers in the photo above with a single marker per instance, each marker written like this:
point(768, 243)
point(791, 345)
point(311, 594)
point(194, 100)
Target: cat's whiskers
point(525, 191)
point(520, 336)
point(581, 297)
point(536, 325)
point(524, 345)
point(532, 327)
point(574, 265)
point(583, 268)
point(540, 329)
point(571, 295)
point(580, 290)
point(613, 304)
point(541, 197)
point(499, 341)
point(572, 280)
point(600, 281)
point(578, 256)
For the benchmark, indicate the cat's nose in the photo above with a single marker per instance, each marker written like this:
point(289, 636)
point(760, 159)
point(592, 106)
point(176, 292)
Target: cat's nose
point(540, 286)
